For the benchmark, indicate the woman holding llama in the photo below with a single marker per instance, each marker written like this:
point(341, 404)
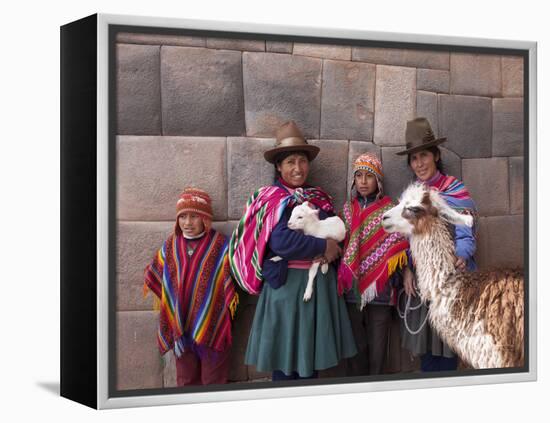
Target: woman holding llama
point(371, 266)
point(290, 337)
point(424, 159)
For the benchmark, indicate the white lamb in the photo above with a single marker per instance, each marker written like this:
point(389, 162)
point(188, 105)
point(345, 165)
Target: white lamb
point(305, 218)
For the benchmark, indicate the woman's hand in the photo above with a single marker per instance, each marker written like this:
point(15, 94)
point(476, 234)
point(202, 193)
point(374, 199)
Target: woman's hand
point(460, 264)
point(332, 250)
point(409, 282)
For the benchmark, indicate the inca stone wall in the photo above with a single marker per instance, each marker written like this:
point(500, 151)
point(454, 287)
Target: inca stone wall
point(201, 111)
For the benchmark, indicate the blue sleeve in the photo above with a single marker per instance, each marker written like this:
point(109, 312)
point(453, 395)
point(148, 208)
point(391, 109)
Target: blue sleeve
point(465, 243)
point(294, 245)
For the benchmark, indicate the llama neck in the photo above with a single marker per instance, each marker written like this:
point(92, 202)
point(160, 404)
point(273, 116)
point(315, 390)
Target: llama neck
point(434, 256)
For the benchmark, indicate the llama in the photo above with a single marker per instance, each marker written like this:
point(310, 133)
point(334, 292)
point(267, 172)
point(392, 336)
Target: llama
point(478, 314)
point(305, 218)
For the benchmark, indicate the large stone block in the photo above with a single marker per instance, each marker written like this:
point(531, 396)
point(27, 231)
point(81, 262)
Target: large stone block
point(487, 182)
point(512, 76)
point(248, 170)
point(482, 243)
point(516, 170)
point(466, 122)
point(356, 148)
point(238, 371)
point(137, 243)
point(433, 80)
point(395, 103)
point(347, 110)
point(507, 126)
point(402, 57)
point(330, 168)
point(452, 164)
point(397, 175)
point(160, 39)
point(226, 227)
point(152, 172)
point(138, 362)
point(505, 242)
point(323, 51)
point(202, 92)
point(169, 372)
point(476, 74)
point(278, 47)
point(233, 44)
point(138, 89)
point(427, 106)
point(278, 88)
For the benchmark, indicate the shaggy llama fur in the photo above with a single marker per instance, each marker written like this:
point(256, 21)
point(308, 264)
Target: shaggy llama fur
point(478, 314)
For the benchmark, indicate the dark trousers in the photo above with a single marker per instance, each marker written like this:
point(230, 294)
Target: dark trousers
point(210, 369)
point(371, 328)
point(437, 363)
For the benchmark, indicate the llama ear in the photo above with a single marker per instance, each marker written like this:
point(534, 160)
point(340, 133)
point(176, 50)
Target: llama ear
point(315, 211)
point(308, 204)
point(448, 213)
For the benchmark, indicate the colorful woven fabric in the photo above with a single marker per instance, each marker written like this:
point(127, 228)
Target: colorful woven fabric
point(251, 236)
point(196, 293)
point(371, 254)
point(453, 192)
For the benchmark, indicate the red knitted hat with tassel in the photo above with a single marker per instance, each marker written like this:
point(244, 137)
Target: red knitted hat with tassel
point(194, 200)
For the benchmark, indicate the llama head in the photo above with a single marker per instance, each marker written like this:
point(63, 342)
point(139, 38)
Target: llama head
point(301, 215)
point(417, 211)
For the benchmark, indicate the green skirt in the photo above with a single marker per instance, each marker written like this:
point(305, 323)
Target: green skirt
point(291, 335)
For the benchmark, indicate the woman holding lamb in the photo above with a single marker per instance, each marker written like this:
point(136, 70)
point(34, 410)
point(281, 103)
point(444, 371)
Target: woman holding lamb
point(371, 266)
point(290, 337)
point(424, 159)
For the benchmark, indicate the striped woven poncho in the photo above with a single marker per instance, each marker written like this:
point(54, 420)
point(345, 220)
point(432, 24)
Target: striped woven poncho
point(196, 293)
point(249, 240)
point(371, 255)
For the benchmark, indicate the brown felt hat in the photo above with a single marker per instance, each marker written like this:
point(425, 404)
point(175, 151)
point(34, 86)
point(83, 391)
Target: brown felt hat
point(419, 136)
point(290, 138)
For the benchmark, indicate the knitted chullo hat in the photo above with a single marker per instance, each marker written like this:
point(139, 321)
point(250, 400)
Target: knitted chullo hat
point(371, 163)
point(195, 200)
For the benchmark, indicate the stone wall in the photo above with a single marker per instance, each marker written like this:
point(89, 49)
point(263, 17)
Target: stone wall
point(201, 111)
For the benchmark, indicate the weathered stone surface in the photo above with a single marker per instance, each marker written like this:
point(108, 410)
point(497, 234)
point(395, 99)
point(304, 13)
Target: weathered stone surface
point(138, 89)
point(512, 76)
point(238, 371)
point(356, 148)
point(278, 88)
point(139, 364)
point(452, 164)
point(476, 74)
point(226, 227)
point(278, 47)
point(505, 243)
point(433, 80)
point(347, 110)
point(395, 103)
point(152, 172)
point(487, 182)
point(330, 168)
point(507, 126)
point(466, 122)
point(169, 373)
point(426, 106)
point(482, 243)
point(401, 57)
point(397, 175)
point(230, 44)
point(159, 39)
point(516, 170)
point(202, 92)
point(247, 170)
point(322, 50)
point(137, 243)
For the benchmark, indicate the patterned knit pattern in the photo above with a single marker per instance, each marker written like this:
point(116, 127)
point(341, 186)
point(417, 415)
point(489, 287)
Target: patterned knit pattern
point(371, 255)
point(196, 293)
point(263, 211)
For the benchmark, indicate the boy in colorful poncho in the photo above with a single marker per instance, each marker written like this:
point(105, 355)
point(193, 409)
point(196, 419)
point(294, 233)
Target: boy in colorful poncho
point(370, 268)
point(190, 277)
